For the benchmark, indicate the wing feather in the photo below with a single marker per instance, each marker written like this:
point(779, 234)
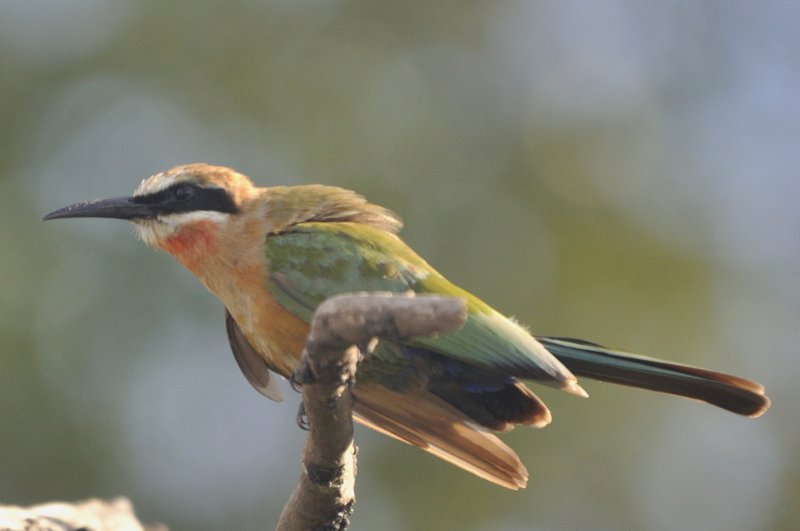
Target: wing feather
point(314, 261)
point(251, 363)
point(433, 425)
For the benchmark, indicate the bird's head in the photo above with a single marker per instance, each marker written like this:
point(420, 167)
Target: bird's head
point(180, 203)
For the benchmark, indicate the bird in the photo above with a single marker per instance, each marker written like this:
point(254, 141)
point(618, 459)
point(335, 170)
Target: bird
point(273, 254)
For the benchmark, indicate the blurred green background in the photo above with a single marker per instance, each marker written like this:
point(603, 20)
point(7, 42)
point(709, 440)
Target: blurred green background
point(625, 172)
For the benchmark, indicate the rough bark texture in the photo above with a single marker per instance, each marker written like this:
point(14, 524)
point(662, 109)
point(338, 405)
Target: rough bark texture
point(325, 494)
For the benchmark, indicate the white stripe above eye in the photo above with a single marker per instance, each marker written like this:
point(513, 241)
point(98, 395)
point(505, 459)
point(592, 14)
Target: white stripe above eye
point(155, 184)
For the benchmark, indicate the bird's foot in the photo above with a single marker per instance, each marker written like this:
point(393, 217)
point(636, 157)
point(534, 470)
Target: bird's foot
point(301, 375)
point(302, 417)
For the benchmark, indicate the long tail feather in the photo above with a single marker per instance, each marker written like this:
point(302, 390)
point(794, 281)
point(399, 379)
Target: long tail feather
point(735, 394)
point(428, 422)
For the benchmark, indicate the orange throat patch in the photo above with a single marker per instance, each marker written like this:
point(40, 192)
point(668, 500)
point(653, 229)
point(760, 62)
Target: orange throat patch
point(192, 243)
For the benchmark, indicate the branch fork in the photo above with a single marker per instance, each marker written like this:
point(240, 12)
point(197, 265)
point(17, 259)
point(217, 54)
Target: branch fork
point(342, 329)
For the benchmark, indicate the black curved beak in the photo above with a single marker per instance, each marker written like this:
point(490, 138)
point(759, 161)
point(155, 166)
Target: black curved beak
point(114, 207)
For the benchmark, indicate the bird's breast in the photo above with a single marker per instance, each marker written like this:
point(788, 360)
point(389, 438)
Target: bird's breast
point(229, 260)
point(276, 333)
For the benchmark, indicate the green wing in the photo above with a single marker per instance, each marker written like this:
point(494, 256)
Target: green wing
point(316, 260)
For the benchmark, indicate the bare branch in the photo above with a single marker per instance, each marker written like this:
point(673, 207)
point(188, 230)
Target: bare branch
point(325, 494)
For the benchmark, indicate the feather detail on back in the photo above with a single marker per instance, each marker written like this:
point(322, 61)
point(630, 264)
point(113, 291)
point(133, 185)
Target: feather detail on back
point(290, 205)
point(425, 421)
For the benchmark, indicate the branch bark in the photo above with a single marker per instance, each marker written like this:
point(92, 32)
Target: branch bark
point(342, 328)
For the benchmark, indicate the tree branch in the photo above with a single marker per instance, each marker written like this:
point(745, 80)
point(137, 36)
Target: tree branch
point(325, 495)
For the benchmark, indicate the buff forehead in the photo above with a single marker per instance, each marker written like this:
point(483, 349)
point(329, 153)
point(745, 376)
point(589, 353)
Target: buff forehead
point(198, 173)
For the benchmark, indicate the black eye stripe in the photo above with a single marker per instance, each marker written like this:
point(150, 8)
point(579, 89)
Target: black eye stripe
point(154, 199)
point(188, 197)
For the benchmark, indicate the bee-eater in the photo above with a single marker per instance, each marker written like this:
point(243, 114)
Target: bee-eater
point(272, 255)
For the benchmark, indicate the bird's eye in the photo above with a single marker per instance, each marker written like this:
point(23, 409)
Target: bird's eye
point(182, 192)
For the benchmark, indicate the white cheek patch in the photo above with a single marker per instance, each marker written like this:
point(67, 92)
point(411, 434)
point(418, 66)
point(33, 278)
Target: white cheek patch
point(184, 218)
point(154, 231)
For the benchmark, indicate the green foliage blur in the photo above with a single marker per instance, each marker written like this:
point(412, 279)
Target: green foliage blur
point(624, 172)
